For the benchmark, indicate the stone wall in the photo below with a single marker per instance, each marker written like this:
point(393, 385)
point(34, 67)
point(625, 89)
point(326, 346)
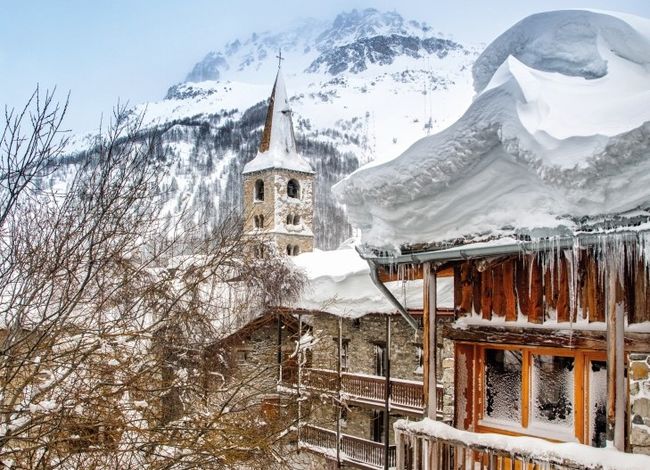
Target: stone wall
point(363, 334)
point(277, 205)
point(639, 371)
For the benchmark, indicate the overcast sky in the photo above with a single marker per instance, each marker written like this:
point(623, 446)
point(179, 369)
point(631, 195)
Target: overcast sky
point(135, 49)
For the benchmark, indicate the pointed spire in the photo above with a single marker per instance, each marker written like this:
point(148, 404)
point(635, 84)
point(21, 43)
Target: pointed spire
point(278, 144)
point(278, 128)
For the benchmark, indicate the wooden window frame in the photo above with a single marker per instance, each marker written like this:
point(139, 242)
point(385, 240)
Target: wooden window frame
point(581, 421)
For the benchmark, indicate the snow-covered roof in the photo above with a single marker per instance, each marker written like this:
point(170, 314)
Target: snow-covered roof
point(559, 131)
point(278, 146)
point(339, 283)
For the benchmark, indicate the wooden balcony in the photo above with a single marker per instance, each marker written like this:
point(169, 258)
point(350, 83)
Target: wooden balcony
point(405, 395)
point(433, 445)
point(353, 450)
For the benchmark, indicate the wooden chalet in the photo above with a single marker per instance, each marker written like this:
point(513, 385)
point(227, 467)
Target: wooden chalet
point(551, 340)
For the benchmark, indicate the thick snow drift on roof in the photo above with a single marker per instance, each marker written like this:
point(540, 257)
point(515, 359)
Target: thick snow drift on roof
point(282, 145)
point(339, 283)
point(559, 129)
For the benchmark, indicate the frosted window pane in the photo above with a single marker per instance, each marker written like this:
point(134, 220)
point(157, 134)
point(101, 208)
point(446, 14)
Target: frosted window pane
point(552, 399)
point(598, 403)
point(503, 385)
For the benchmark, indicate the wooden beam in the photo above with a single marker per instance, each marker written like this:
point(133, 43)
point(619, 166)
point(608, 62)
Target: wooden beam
point(426, 321)
point(544, 337)
point(430, 341)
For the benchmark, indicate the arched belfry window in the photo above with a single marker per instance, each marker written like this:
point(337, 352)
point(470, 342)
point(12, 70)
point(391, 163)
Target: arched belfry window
point(296, 219)
point(289, 250)
point(293, 189)
point(259, 221)
point(296, 250)
point(259, 190)
point(289, 219)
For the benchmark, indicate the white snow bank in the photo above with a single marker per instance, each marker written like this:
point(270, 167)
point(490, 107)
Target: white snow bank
point(583, 455)
point(560, 130)
point(565, 42)
point(339, 283)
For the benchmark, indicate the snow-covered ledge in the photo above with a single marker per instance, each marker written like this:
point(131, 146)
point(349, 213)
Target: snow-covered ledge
point(416, 435)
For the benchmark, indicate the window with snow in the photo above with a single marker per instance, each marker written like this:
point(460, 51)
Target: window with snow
point(296, 219)
point(242, 356)
point(552, 392)
point(377, 426)
point(503, 385)
point(259, 190)
point(345, 354)
point(419, 359)
point(380, 351)
point(289, 219)
point(543, 392)
point(293, 189)
point(597, 382)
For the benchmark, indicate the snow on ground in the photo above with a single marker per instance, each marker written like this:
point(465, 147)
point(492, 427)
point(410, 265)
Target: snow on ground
point(560, 129)
point(339, 283)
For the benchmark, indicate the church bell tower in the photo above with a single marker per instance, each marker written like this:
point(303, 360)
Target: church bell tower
point(279, 183)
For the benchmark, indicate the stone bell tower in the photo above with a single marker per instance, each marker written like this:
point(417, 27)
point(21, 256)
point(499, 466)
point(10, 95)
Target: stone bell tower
point(278, 183)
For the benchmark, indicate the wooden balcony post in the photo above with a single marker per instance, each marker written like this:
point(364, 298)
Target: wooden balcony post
point(299, 354)
point(279, 348)
point(429, 338)
point(339, 383)
point(387, 394)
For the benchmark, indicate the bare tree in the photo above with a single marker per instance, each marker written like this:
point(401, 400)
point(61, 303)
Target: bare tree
point(104, 324)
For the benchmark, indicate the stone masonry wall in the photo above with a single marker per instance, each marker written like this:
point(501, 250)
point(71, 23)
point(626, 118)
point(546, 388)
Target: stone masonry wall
point(639, 368)
point(276, 206)
point(364, 333)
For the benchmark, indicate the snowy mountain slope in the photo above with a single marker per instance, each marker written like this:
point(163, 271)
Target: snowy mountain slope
point(559, 131)
point(361, 87)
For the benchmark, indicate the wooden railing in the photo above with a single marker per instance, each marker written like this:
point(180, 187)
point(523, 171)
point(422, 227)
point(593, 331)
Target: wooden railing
point(433, 445)
point(404, 394)
point(352, 450)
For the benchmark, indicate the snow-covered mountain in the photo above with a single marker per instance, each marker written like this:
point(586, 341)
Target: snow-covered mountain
point(363, 87)
point(557, 140)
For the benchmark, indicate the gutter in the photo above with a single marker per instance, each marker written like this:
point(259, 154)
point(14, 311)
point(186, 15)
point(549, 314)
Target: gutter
point(466, 252)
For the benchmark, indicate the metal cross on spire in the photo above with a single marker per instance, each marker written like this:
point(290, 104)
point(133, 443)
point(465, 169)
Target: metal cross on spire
point(280, 58)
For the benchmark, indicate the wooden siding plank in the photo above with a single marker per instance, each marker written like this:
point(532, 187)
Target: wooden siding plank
point(563, 308)
point(509, 290)
point(498, 299)
point(536, 312)
point(486, 294)
point(466, 287)
point(476, 289)
point(522, 282)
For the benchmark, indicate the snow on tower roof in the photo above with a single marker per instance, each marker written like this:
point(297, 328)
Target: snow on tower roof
point(278, 146)
point(558, 134)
